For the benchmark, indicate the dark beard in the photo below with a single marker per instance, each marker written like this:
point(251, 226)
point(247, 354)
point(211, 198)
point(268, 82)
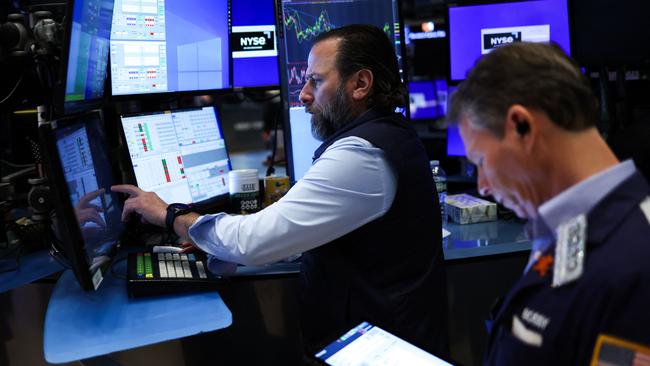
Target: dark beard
point(329, 118)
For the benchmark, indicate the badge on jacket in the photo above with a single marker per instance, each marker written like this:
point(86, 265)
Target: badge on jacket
point(570, 251)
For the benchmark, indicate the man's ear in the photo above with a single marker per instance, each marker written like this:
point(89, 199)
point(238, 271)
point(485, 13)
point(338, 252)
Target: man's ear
point(522, 125)
point(362, 82)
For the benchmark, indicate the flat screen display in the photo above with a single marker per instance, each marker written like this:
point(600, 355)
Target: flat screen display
point(162, 46)
point(303, 21)
point(180, 155)
point(427, 99)
point(254, 43)
point(476, 30)
point(82, 174)
point(88, 47)
point(367, 344)
point(455, 145)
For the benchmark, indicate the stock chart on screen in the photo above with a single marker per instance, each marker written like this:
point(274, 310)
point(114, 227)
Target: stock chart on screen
point(305, 20)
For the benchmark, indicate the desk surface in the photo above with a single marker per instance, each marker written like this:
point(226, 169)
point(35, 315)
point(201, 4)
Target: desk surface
point(485, 238)
point(80, 325)
point(32, 266)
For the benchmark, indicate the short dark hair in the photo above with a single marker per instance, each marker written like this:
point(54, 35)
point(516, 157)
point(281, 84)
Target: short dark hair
point(538, 76)
point(367, 47)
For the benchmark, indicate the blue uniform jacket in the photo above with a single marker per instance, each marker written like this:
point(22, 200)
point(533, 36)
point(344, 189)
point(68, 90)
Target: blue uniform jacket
point(561, 325)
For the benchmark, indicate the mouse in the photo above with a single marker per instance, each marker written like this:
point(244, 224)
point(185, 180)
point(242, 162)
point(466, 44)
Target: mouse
point(166, 249)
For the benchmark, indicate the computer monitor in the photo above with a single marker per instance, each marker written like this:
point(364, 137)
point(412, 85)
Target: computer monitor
point(180, 155)
point(88, 214)
point(85, 55)
point(302, 21)
point(254, 43)
point(427, 99)
point(162, 46)
point(455, 145)
point(477, 29)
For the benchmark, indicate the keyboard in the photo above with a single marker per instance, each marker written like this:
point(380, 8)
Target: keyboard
point(150, 274)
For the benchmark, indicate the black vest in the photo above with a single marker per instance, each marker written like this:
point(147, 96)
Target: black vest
point(390, 271)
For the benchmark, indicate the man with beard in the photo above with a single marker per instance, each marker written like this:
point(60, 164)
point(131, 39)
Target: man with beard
point(365, 215)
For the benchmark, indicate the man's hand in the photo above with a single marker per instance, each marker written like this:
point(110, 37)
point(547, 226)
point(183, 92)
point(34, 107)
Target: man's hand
point(146, 204)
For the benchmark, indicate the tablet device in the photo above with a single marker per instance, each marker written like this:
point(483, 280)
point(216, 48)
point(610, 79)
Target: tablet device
point(367, 344)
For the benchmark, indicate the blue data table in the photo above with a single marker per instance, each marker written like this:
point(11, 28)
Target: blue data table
point(32, 267)
point(81, 325)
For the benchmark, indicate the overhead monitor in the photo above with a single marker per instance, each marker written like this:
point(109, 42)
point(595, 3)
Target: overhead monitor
point(478, 29)
point(160, 46)
point(455, 145)
point(302, 21)
point(427, 99)
point(88, 214)
point(85, 55)
point(180, 155)
point(254, 43)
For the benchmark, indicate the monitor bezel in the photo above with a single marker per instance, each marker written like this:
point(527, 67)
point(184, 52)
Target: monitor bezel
point(205, 206)
point(71, 241)
point(284, 82)
point(175, 93)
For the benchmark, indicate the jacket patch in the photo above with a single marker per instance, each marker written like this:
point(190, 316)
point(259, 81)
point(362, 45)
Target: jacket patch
point(521, 332)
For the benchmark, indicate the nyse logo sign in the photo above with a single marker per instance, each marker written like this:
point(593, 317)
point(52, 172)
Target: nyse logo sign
point(253, 42)
point(494, 40)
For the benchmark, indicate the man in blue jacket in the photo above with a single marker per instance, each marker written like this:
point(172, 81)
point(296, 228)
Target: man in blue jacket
point(527, 117)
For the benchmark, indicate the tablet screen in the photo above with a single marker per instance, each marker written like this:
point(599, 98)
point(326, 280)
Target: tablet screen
point(367, 344)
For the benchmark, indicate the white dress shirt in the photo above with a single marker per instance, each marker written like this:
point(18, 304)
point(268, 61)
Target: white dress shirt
point(349, 185)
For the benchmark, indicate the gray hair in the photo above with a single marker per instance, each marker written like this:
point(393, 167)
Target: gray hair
point(537, 76)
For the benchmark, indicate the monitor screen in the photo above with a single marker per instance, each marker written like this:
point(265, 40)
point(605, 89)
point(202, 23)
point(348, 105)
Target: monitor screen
point(476, 30)
point(88, 213)
point(254, 43)
point(303, 21)
point(427, 99)
point(169, 46)
point(181, 155)
point(87, 52)
point(455, 145)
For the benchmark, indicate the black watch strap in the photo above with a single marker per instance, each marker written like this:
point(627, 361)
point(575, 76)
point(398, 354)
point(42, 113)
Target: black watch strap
point(173, 211)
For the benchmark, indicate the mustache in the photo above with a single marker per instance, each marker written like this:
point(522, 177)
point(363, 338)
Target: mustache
point(311, 109)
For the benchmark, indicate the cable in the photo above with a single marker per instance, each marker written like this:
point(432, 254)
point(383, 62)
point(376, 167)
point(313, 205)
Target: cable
point(14, 165)
point(13, 90)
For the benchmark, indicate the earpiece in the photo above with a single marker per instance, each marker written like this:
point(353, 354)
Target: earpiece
point(522, 127)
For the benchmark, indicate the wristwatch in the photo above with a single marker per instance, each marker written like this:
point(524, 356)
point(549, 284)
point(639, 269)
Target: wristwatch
point(173, 211)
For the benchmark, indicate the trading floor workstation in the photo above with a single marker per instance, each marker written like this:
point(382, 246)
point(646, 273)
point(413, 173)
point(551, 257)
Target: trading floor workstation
point(174, 97)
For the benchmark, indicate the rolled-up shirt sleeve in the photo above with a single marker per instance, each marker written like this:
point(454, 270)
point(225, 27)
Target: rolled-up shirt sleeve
point(351, 184)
